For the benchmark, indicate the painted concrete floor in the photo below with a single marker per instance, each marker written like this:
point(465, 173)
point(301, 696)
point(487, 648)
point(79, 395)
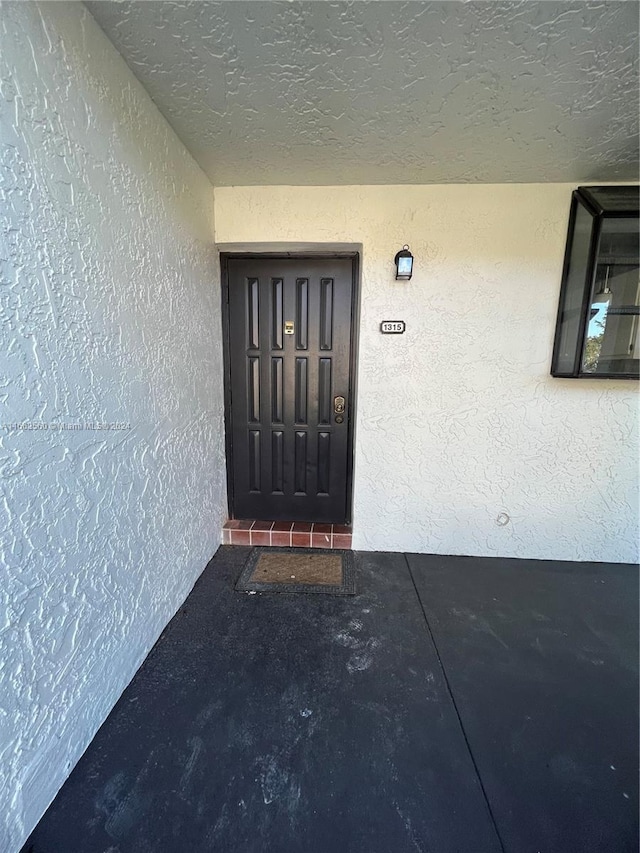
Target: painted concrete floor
point(453, 704)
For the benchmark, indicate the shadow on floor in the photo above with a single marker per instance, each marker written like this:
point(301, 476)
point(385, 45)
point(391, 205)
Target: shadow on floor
point(453, 704)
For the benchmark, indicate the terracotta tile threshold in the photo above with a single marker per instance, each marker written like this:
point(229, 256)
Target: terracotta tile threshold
point(292, 534)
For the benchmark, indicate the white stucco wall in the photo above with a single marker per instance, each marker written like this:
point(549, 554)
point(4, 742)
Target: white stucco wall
point(110, 313)
point(459, 420)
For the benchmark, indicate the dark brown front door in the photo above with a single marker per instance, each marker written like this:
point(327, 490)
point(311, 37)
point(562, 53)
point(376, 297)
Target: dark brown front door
point(289, 396)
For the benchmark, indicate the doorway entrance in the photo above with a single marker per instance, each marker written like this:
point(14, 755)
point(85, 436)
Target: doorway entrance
point(290, 347)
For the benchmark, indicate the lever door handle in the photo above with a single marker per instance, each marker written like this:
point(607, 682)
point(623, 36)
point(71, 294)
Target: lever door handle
point(338, 405)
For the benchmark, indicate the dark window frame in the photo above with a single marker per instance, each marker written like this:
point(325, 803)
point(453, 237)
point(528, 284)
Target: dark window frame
point(584, 197)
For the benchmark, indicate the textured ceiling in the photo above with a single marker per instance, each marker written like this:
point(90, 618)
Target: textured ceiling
point(391, 92)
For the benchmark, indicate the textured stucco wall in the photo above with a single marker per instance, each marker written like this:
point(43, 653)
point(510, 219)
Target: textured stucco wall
point(458, 419)
point(374, 93)
point(110, 313)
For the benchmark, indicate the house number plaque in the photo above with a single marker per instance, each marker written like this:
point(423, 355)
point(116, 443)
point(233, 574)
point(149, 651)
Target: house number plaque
point(393, 327)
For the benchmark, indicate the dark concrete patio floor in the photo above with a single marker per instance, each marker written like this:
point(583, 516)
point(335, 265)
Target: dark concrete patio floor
point(453, 704)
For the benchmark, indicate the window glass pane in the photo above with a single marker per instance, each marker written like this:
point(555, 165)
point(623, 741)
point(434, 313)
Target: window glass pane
point(573, 292)
point(613, 330)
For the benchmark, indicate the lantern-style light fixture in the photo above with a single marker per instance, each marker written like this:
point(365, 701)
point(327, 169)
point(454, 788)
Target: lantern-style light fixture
point(404, 264)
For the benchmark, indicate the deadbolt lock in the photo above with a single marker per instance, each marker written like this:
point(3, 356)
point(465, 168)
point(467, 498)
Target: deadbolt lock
point(338, 405)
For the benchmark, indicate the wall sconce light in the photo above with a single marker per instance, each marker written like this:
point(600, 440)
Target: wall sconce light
point(404, 264)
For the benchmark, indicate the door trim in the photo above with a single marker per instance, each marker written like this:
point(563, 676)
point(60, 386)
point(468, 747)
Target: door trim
point(354, 256)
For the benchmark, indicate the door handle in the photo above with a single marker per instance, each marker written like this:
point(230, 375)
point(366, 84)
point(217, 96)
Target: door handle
point(338, 405)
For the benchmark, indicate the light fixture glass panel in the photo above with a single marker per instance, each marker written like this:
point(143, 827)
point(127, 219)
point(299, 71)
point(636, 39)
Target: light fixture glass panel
point(404, 265)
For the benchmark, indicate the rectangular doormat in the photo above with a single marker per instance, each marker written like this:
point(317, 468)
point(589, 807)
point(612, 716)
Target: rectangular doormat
point(310, 570)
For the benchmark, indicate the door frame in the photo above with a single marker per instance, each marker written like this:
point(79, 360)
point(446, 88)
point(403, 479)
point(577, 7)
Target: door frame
point(354, 256)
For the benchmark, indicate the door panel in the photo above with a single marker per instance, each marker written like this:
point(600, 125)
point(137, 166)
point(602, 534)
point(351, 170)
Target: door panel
point(289, 358)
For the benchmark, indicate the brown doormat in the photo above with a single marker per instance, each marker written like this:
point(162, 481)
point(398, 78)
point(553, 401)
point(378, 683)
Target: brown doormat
point(298, 570)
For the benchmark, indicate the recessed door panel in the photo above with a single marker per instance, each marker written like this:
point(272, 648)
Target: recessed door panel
point(253, 389)
point(277, 390)
point(300, 472)
point(324, 391)
point(253, 312)
point(289, 358)
point(326, 313)
point(254, 466)
point(302, 313)
point(324, 462)
point(277, 462)
point(277, 317)
point(301, 390)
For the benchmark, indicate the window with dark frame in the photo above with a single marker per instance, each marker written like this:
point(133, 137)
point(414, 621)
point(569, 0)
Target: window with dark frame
point(598, 326)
